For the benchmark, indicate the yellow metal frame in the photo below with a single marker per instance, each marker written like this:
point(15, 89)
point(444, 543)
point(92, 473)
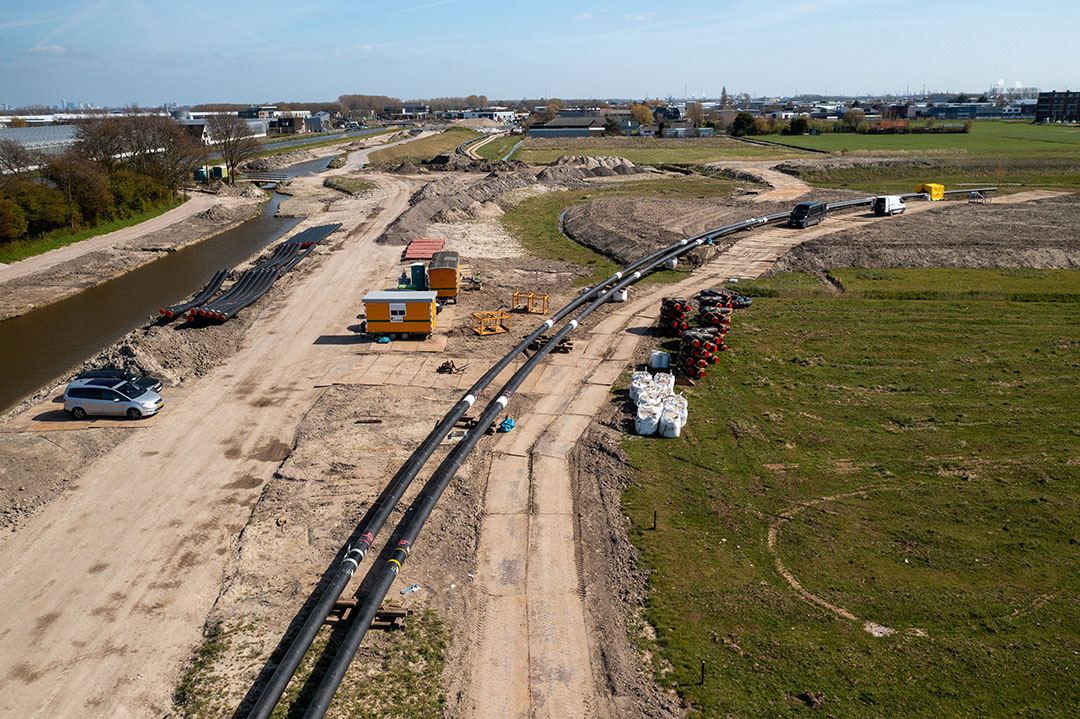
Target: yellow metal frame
point(936, 191)
point(491, 323)
point(532, 302)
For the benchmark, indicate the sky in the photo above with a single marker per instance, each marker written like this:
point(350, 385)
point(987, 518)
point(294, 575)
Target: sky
point(119, 52)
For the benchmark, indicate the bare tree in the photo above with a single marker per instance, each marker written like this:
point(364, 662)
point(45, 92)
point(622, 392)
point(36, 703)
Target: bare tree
point(696, 113)
point(233, 138)
point(853, 117)
point(15, 161)
point(725, 101)
point(102, 140)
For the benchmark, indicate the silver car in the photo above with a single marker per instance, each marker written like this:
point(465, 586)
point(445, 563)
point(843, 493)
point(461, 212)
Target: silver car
point(110, 397)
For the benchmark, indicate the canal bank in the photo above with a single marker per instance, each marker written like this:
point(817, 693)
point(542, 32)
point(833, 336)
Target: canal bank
point(47, 341)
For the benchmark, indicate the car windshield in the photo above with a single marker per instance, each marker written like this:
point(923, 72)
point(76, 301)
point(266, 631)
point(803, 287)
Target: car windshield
point(801, 210)
point(130, 390)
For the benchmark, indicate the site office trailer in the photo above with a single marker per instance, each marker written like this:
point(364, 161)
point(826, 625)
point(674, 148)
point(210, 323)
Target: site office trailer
point(400, 311)
point(444, 274)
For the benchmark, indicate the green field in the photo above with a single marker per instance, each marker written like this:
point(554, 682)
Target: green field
point(987, 137)
point(918, 459)
point(1013, 155)
point(497, 149)
point(423, 149)
point(648, 150)
point(21, 249)
point(535, 221)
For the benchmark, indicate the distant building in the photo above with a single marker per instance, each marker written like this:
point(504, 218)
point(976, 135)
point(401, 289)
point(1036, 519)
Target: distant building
point(42, 138)
point(498, 115)
point(685, 129)
point(569, 127)
point(319, 122)
point(1058, 107)
point(259, 112)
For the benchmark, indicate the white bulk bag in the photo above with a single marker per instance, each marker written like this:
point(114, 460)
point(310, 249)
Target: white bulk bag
point(648, 416)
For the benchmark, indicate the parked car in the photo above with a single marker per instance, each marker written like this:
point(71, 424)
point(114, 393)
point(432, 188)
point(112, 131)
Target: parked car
point(888, 205)
point(806, 214)
point(110, 397)
point(150, 383)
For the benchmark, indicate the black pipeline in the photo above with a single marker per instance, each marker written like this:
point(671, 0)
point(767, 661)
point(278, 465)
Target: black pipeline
point(377, 514)
point(417, 513)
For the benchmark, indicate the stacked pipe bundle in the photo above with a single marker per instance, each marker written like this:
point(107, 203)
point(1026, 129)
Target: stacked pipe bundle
point(659, 409)
point(699, 349)
point(673, 312)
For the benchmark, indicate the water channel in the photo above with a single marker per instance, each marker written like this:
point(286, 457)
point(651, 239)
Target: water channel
point(43, 344)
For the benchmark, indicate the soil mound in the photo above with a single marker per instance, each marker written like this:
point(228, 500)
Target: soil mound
point(1037, 235)
point(408, 168)
point(224, 213)
point(570, 168)
point(797, 167)
point(450, 162)
point(453, 197)
point(277, 162)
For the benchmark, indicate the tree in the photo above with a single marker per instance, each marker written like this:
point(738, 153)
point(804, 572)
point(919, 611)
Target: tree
point(15, 161)
point(725, 101)
point(983, 98)
point(743, 124)
point(853, 117)
point(12, 220)
point(961, 98)
point(641, 114)
point(233, 138)
point(696, 113)
point(18, 122)
point(84, 187)
point(102, 140)
point(799, 126)
point(611, 127)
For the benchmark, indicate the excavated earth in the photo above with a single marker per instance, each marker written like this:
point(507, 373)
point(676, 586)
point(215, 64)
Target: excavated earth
point(1041, 234)
point(627, 228)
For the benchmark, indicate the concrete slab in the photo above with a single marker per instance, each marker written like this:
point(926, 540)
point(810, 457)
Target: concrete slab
point(624, 348)
point(608, 372)
point(508, 485)
point(503, 688)
point(501, 564)
point(560, 438)
point(589, 399)
point(551, 485)
point(527, 431)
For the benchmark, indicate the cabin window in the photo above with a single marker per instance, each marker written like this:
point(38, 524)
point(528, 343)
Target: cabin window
point(397, 311)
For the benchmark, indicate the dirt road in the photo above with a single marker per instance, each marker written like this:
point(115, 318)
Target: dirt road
point(105, 590)
point(784, 186)
point(471, 150)
point(536, 650)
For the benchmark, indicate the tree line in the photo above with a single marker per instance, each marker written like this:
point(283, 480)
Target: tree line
point(117, 168)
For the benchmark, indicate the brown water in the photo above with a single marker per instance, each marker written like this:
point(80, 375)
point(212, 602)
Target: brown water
point(45, 343)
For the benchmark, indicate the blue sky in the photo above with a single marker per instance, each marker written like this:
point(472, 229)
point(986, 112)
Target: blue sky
point(121, 51)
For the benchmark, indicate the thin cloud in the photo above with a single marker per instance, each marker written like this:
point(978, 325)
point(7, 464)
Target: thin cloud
point(583, 16)
point(47, 49)
point(645, 17)
point(419, 7)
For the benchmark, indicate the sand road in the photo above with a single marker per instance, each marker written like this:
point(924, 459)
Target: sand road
point(105, 591)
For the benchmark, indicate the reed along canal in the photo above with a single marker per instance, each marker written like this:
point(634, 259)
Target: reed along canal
point(45, 343)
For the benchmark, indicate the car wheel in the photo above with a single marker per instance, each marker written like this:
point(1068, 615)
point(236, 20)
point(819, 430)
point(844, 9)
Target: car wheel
point(134, 414)
point(78, 413)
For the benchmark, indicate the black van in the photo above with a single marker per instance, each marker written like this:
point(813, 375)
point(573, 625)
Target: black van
point(806, 214)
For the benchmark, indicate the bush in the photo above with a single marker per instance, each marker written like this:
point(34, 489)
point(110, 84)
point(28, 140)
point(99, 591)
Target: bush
point(798, 126)
point(743, 124)
point(12, 220)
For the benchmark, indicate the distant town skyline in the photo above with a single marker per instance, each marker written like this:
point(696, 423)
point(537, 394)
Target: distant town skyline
point(119, 52)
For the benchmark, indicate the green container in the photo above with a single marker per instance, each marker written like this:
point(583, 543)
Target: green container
point(419, 275)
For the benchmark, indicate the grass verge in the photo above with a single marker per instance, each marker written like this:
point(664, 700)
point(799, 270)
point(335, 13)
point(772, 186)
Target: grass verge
point(534, 222)
point(649, 150)
point(498, 148)
point(396, 674)
point(423, 149)
point(21, 249)
point(348, 185)
point(918, 461)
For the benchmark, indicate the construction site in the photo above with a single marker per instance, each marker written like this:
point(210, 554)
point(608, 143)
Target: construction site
point(401, 467)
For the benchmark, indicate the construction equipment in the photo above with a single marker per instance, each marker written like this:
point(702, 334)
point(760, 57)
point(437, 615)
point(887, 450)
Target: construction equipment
point(531, 302)
point(448, 367)
point(491, 323)
point(936, 191)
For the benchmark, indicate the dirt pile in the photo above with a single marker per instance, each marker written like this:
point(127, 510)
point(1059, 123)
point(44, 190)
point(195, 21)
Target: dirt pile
point(475, 211)
point(408, 168)
point(452, 195)
point(797, 167)
point(450, 162)
point(225, 214)
point(625, 229)
point(1040, 235)
point(569, 168)
point(277, 162)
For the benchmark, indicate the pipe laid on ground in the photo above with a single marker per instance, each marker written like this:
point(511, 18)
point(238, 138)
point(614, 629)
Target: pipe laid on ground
point(205, 294)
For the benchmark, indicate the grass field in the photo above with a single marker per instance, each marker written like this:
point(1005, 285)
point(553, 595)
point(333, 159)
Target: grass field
point(535, 221)
point(348, 185)
point(987, 138)
point(648, 150)
point(21, 249)
point(947, 435)
point(498, 149)
point(423, 149)
point(1014, 155)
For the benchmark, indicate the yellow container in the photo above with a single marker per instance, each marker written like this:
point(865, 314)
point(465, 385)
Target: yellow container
point(400, 311)
point(936, 192)
point(444, 274)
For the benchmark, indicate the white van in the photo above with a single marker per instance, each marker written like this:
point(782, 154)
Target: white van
point(888, 205)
